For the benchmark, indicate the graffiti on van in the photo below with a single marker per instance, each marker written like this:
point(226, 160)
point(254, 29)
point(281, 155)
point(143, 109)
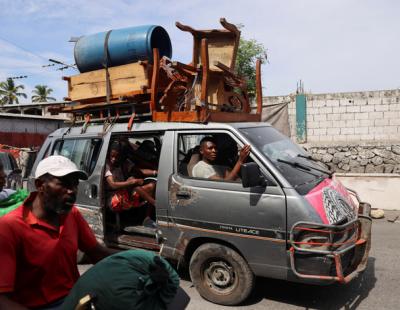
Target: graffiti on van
point(332, 202)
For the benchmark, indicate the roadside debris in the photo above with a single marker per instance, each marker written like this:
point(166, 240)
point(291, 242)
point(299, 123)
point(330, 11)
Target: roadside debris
point(377, 213)
point(394, 219)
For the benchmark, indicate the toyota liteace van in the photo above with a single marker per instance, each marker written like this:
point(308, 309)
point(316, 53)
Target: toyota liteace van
point(285, 217)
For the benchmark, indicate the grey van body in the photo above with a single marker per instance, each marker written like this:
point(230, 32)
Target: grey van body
point(265, 224)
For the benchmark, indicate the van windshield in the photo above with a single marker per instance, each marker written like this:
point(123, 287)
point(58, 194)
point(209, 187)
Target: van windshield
point(290, 159)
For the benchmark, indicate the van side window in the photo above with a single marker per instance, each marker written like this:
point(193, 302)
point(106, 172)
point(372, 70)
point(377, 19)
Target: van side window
point(208, 156)
point(130, 175)
point(143, 151)
point(83, 152)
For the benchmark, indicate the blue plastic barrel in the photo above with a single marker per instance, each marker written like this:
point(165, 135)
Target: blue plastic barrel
point(125, 46)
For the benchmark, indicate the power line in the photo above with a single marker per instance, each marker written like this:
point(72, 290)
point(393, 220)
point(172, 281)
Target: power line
point(15, 68)
point(36, 74)
point(64, 65)
point(39, 67)
point(17, 77)
point(22, 48)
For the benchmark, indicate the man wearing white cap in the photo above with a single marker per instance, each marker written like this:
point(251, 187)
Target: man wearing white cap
point(39, 240)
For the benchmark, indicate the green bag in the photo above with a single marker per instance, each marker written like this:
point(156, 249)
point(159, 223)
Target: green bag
point(13, 201)
point(134, 279)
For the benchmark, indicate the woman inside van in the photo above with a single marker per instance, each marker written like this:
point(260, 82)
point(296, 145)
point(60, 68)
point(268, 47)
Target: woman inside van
point(124, 192)
point(4, 192)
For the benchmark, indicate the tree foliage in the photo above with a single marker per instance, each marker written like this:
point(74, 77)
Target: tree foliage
point(248, 53)
point(41, 93)
point(9, 92)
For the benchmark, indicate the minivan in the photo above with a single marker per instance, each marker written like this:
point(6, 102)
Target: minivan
point(287, 217)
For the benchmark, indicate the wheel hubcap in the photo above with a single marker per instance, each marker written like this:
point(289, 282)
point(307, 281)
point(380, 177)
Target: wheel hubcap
point(219, 275)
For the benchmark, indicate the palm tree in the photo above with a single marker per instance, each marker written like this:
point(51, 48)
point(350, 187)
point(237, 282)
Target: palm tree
point(9, 92)
point(41, 94)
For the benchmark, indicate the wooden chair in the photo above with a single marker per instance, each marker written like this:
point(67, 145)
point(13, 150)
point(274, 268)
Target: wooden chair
point(214, 55)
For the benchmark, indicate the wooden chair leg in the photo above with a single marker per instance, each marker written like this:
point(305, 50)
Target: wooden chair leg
point(259, 87)
point(205, 69)
point(154, 80)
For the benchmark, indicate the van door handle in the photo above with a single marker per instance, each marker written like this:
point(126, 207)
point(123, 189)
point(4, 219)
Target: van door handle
point(93, 191)
point(183, 194)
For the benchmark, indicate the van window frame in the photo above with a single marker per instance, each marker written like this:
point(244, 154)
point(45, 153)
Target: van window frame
point(215, 183)
point(292, 171)
point(92, 165)
point(138, 134)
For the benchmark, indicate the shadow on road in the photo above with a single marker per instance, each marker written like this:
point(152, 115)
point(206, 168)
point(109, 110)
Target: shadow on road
point(334, 296)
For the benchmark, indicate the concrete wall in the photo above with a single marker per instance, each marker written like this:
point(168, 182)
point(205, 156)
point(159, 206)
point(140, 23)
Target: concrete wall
point(357, 135)
point(353, 116)
point(378, 189)
point(351, 132)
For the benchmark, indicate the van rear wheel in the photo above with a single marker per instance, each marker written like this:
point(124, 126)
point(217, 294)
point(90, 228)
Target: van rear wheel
point(220, 274)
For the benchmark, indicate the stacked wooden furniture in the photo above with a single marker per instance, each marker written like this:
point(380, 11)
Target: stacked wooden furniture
point(126, 87)
point(207, 89)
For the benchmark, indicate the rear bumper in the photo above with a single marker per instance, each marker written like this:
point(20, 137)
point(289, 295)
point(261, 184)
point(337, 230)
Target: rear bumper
point(331, 253)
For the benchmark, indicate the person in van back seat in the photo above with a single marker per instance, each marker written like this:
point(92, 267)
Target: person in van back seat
point(125, 193)
point(138, 162)
point(191, 159)
point(206, 167)
point(4, 192)
point(143, 155)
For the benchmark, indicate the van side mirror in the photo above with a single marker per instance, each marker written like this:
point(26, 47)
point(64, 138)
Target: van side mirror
point(252, 176)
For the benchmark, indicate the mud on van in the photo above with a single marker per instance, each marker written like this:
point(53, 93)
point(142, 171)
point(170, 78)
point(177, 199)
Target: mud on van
point(286, 217)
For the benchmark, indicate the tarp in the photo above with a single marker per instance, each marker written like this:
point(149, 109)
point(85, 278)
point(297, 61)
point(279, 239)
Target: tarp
point(134, 279)
point(9, 149)
point(13, 201)
point(278, 116)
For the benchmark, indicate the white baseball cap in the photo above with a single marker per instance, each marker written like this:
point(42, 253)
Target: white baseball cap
point(58, 166)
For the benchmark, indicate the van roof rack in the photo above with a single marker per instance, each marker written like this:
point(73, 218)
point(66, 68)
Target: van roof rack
point(100, 112)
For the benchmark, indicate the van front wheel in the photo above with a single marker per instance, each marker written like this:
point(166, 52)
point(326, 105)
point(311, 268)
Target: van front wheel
point(220, 274)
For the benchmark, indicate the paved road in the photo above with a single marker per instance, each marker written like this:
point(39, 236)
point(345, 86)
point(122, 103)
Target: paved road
point(377, 288)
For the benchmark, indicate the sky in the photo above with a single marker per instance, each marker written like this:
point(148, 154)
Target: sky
point(331, 45)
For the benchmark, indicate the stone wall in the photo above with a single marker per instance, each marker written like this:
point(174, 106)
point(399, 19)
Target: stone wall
point(353, 116)
point(358, 158)
point(355, 132)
